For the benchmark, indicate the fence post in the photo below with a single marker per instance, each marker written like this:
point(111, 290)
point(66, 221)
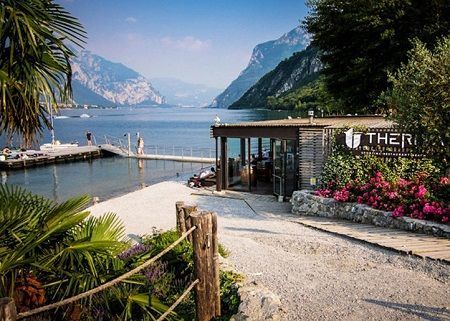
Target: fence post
point(181, 222)
point(206, 269)
point(188, 210)
point(8, 310)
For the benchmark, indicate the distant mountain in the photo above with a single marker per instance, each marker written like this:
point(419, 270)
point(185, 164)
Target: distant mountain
point(290, 74)
point(102, 82)
point(180, 93)
point(265, 57)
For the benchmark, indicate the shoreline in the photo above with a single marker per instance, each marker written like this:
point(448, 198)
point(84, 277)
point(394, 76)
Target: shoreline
point(143, 210)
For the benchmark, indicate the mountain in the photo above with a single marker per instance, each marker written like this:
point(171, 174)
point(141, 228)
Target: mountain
point(265, 57)
point(178, 92)
point(290, 74)
point(102, 82)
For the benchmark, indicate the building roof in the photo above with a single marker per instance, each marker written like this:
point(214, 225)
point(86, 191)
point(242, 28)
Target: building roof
point(327, 122)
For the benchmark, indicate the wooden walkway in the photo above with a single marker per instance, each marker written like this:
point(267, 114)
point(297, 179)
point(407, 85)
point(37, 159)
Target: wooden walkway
point(421, 245)
point(187, 159)
point(54, 156)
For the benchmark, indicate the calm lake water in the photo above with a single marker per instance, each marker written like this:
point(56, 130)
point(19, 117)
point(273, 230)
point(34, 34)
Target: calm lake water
point(109, 177)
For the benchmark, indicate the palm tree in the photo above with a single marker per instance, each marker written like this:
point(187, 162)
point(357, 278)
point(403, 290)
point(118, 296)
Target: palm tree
point(36, 41)
point(51, 251)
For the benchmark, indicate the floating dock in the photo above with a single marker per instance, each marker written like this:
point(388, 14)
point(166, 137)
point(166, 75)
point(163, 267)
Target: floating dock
point(55, 156)
point(121, 151)
point(82, 153)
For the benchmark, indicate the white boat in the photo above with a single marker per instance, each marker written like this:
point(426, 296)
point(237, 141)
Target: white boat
point(56, 145)
point(85, 116)
point(60, 117)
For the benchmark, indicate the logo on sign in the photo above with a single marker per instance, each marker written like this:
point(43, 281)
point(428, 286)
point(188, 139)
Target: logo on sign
point(352, 140)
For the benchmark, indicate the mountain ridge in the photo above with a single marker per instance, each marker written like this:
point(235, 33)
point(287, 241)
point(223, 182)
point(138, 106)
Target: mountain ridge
point(290, 74)
point(181, 93)
point(265, 57)
point(95, 77)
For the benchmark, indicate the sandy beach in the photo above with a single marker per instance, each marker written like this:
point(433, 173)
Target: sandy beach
point(318, 276)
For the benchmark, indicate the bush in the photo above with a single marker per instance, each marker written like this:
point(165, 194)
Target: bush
point(424, 197)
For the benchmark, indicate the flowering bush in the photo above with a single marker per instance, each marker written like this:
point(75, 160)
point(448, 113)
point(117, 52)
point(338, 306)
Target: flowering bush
point(422, 197)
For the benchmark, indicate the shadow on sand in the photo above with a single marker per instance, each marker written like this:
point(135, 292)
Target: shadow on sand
point(424, 312)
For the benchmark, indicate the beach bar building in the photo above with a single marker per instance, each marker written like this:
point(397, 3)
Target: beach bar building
point(281, 156)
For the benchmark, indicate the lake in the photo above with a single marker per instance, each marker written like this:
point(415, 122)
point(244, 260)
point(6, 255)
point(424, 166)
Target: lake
point(109, 177)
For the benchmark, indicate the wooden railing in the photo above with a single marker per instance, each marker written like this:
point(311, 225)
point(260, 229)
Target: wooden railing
point(200, 229)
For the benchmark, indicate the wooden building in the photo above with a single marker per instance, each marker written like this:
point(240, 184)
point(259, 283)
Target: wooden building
point(281, 156)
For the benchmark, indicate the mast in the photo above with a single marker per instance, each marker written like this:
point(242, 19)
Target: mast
point(51, 121)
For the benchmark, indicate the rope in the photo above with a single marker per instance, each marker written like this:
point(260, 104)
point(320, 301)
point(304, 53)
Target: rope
point(107, 284)
point(178, 301)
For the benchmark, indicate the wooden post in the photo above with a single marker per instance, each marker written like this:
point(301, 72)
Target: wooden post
point(8, 310)
point(181, 224)
point(206, 268)
point(187, 210)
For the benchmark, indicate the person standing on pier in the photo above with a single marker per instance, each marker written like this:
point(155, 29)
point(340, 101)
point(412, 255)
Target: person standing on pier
point(140, 146)
point(89, 138)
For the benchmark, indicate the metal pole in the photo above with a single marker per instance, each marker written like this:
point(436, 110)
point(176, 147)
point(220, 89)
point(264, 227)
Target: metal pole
point(129, 144)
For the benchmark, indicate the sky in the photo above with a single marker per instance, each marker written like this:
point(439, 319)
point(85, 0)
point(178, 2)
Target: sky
point(199, 41)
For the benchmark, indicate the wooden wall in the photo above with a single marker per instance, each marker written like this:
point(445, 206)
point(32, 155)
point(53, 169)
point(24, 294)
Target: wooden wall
point(310, 156)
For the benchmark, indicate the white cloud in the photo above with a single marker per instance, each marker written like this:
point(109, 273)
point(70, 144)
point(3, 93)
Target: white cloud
point(187, 43)
point(130, 19)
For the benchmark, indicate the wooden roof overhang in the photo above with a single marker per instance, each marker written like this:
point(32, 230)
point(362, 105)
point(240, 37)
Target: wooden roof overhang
point(289, 128)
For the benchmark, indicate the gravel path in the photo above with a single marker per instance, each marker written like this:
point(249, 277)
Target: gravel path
point(318, 276)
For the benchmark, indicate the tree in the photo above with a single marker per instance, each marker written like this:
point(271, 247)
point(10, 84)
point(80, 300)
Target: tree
point(420, 98)
point(36, 37)
point(362, 40)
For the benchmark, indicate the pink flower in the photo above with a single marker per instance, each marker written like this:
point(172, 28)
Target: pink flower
point(421, 192)
point(398, 212)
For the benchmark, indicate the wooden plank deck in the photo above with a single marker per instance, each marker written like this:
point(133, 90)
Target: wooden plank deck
point(54, 156)
point(187, 159)
point(421, 245)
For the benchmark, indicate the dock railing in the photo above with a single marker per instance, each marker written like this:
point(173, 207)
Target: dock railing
point(172, 150)
point(200, 229)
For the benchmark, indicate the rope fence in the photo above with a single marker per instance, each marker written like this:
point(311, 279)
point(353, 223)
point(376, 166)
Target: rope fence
point(197, 227)
point(107, 284)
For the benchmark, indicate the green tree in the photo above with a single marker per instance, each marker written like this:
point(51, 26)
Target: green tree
point(36, 37)
point(362, 40)
point(420, 98)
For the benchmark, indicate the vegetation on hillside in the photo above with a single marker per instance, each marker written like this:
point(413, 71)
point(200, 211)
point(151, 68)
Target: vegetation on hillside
point(290, 74)
point(313, 96)
point(363, 40)
point(36, 37)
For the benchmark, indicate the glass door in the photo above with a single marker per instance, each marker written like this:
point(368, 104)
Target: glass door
point(278, 167)
point(284, 167)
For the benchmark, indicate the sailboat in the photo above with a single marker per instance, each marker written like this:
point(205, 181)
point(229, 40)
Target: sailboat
point(55, 144)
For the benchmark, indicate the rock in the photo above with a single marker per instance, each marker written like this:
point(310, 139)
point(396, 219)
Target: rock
point(304, 202)
point(258, 304)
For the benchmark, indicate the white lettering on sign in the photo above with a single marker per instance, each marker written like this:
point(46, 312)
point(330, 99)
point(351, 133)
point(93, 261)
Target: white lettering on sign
point(354, 139)
point(382, 138)
point(371, 137)
point(393, 139)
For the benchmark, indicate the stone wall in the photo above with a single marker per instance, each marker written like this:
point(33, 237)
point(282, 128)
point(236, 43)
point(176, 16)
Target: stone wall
point(306, 203)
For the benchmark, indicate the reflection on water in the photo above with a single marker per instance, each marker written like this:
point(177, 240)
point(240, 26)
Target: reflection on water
point(103, 178)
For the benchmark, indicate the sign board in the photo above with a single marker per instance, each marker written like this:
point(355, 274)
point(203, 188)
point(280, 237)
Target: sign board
point(378, 142)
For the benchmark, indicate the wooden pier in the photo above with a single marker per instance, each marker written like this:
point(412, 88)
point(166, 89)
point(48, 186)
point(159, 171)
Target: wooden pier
point(122, 151)
point(80, 153)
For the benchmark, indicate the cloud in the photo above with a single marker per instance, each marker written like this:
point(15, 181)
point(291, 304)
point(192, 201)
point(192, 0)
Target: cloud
point(130, 19)
point(187, 43)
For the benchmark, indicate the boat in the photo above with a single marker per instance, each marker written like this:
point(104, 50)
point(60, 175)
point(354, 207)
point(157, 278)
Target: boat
point(55, 144)
point(85, 116)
